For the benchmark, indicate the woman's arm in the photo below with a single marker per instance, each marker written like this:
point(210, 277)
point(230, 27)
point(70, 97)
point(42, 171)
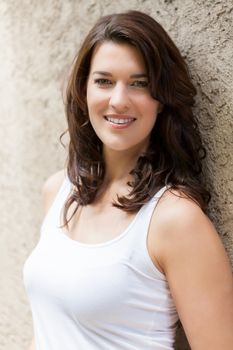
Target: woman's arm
point(32, 346)
point(192, 256)
point(49, 191)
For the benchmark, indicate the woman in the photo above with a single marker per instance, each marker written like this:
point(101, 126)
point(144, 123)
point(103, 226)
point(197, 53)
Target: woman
point(126, 248)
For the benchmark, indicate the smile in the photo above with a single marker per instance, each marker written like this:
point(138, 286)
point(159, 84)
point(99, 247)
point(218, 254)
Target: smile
point(119, 121)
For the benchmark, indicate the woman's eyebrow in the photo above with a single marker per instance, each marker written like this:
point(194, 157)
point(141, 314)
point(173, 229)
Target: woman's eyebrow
point(138, 75)
point(102, 73)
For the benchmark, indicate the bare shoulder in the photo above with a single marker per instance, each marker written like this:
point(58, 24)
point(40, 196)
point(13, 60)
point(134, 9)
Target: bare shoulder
point(51, 187)
point(175, 212)
point(187, 248)
point(179, 226)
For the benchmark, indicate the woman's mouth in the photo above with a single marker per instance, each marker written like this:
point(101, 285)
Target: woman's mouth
point(119, 121)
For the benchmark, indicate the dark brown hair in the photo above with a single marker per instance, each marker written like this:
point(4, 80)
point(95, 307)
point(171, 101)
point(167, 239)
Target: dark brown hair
point(175, 150)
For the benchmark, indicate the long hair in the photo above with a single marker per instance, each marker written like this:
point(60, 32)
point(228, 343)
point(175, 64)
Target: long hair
point(175, 149)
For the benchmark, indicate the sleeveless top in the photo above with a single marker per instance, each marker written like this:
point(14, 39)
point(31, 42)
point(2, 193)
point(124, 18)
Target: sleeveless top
point(106, 296)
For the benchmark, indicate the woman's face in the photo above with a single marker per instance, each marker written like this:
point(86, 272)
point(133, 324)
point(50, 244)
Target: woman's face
point(121, 109)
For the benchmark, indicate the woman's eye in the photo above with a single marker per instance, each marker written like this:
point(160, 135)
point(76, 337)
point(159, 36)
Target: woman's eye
point(102, 82)
point(140, 83)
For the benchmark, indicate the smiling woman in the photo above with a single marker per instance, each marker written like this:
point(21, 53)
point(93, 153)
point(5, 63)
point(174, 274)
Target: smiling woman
point(121, 109)
point(126, 248)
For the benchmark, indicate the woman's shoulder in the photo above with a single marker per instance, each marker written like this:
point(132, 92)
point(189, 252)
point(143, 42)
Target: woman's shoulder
point(176, 209)
point(188, 250)
point(179, 227)
point(51, 187)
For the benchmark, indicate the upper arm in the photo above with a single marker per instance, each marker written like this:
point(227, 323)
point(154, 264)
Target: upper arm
point(32, 345)
point(195, 263)
point(50, 189)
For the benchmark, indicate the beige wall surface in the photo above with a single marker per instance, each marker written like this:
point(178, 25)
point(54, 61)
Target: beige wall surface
point(38, 40)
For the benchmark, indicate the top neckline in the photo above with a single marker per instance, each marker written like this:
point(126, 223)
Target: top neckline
point(105, 243)
point(120, 236)
point(67, 185)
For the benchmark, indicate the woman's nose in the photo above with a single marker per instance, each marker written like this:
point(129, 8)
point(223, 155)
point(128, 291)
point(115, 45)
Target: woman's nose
point(119, 99)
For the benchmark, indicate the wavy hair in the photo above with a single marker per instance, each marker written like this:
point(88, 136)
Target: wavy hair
point(175, 149)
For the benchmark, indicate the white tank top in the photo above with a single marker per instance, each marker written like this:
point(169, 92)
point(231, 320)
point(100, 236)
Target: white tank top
point(107, 296)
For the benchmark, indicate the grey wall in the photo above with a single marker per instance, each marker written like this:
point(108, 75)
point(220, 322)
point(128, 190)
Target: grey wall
point(38, 40)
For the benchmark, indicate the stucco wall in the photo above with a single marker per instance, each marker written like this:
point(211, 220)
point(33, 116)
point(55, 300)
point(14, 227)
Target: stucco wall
point(38, 40)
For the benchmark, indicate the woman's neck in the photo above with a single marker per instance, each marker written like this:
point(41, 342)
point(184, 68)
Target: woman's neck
point(118, 165)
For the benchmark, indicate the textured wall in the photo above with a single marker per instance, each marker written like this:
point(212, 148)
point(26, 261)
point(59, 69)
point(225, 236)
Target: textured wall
point(38, 40)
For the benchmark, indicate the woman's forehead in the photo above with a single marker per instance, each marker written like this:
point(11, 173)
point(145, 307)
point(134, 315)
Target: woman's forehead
point(110, 54)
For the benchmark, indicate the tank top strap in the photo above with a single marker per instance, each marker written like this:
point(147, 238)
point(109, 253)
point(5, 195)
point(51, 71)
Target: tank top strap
point(53, 216)
point(149, 207)
point(140, 237)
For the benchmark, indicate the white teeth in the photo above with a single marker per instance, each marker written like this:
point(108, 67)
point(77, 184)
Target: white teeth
point(119, 120)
